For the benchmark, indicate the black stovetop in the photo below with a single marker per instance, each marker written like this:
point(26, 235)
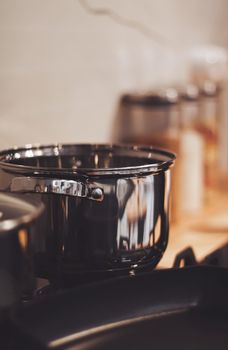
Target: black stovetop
point(57, 317)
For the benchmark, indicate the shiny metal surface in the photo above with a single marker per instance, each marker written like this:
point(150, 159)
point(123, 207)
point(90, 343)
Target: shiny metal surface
point(63, 187)
point(85, 159)
point(125, 232)
point(18, 210)
point(18, 230)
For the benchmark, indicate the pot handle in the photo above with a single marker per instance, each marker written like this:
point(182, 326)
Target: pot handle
point(27, 184)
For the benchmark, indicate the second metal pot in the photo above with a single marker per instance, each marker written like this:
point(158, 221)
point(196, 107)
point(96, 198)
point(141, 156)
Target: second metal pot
point(19, 228)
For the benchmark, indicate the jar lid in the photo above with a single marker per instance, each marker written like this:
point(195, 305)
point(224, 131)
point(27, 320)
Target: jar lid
point(189, 92)
point(210, 89)
point(160, 97)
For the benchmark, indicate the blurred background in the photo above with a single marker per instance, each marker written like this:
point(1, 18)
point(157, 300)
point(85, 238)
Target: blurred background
point(65, 63)
point(142, 71)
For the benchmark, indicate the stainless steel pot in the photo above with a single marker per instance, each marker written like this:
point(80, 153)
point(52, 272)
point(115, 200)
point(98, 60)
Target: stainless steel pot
point(106, 206)
point(18, 228)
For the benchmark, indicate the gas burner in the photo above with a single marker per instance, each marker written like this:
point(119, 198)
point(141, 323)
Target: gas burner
point(218, 258)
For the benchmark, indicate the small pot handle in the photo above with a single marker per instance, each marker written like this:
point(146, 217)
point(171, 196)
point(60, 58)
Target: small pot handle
point(27, 184)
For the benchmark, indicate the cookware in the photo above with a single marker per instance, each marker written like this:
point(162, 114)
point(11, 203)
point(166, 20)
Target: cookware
point(106, 206)
point(167, 309)
point(18, 228)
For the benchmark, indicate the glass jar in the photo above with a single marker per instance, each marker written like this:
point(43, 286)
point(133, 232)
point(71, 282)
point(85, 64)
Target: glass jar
point(191, 151)
point(152, 119)
point(142, 117)
point(208, 127)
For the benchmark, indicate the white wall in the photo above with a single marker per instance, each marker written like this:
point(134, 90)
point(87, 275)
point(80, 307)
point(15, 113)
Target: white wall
point(62, 69)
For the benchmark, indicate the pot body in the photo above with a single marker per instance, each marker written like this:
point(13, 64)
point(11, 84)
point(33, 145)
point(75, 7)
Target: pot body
point(124, 232)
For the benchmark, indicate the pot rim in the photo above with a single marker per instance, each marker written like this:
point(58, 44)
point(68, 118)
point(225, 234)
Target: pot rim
point(164, 159)
point(34, 207)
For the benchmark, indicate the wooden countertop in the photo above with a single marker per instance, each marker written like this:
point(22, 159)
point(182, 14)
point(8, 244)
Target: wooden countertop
point(204, 231)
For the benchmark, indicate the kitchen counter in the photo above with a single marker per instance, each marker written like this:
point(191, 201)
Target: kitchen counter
point(204, 231)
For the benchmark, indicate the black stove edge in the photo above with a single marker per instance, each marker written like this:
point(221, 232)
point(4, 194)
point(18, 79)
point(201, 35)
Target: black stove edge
point(57, 320)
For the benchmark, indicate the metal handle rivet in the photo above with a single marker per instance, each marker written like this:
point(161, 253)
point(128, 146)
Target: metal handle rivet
point(97, 194)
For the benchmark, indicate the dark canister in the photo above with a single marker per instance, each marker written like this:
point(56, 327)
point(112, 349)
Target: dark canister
point(106, 206)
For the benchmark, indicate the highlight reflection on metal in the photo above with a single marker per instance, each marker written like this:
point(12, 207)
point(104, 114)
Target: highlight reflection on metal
point(19, 226)
point(23, 238)
point(137, 209)
point(112, 325)
point(125, 231)
point(64, 187)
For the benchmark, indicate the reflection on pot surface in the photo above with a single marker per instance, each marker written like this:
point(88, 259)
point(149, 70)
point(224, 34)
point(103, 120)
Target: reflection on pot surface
point(109, 212)
point(19, 227)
